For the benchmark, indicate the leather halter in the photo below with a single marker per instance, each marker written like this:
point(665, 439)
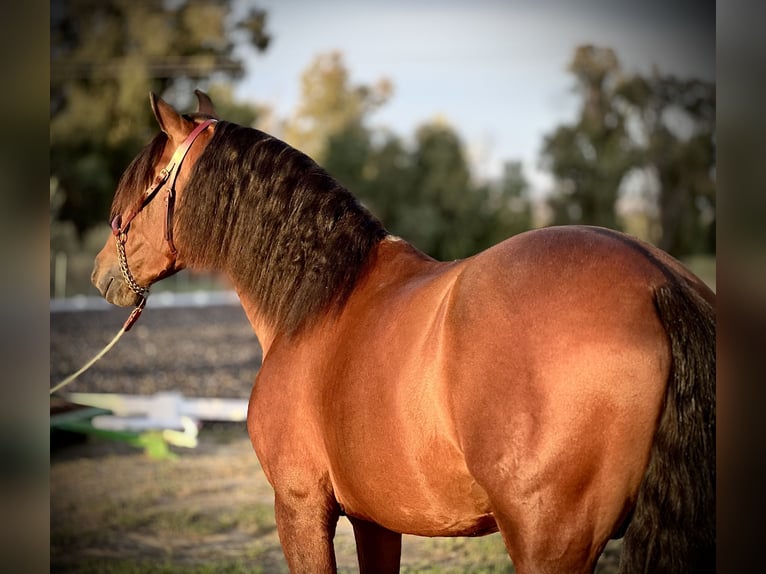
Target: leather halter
point(170, 172)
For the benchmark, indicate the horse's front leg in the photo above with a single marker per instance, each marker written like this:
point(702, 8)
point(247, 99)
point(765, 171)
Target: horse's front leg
point(379, 550)
point(306, 524)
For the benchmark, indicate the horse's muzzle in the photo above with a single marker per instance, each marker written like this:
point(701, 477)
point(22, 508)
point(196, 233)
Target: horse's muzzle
point(112, 286)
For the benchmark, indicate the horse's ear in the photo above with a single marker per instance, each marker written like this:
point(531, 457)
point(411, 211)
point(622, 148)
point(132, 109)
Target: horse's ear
point(170, 120)
point(205, 104)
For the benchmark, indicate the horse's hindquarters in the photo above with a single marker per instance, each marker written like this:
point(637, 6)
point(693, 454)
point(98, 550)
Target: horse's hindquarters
point(557, 389)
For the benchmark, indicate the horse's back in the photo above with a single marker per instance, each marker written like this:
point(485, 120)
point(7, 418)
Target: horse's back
point(574, 252)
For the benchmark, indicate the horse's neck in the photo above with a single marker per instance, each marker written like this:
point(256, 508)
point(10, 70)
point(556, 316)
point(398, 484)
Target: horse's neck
point(392, 260)
point(263, 330)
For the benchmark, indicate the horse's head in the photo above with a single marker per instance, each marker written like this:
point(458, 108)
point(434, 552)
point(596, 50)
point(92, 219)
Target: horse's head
point(142, 250)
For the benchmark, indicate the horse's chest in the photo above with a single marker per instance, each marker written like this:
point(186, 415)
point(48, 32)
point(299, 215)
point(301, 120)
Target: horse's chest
point(282, 424)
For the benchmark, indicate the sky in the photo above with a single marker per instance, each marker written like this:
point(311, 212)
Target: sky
point(494, 70)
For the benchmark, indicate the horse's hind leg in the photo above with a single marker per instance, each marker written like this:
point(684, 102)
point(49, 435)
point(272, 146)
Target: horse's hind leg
point(548, 525)
point(378, 549)
point(546, 547)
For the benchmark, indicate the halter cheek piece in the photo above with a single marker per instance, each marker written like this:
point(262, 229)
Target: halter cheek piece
point(169, 173)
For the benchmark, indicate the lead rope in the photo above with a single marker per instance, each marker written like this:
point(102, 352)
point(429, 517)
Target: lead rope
point(125, 328)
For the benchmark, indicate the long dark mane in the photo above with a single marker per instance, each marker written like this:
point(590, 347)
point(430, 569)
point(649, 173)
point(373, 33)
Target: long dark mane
point(278, 224)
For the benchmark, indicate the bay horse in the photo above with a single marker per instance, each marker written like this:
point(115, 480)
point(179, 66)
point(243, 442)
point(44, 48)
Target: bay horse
point(558, 387)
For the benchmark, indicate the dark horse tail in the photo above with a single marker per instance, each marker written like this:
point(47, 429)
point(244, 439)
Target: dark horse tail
point(673, 523)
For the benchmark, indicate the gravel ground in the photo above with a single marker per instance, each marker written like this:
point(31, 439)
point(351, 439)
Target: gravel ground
point(199, 351)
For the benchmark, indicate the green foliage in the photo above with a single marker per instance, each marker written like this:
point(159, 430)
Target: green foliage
point(107, 56)
point(229, 109)
point(631, 124)
point(105, 59)
point(424, 192)
point(589, 158)
point(684, 163)
point(445, 212)
point(330, 105)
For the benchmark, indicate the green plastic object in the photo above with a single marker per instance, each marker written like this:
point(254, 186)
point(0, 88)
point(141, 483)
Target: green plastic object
point(79, 421)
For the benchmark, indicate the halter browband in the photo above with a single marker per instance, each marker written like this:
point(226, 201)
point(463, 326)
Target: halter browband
point(169, 172)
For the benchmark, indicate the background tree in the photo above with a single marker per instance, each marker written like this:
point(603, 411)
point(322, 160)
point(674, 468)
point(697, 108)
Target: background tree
point(677, 128)
point(331, 106)
point(105, 58)
point(423, 191)
point(442, 194)
point(590, 157)
point(660, 127)
point(385, 183)
point(506, 206)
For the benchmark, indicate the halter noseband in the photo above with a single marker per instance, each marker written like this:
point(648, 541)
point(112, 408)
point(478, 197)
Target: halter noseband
point(169, 172)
